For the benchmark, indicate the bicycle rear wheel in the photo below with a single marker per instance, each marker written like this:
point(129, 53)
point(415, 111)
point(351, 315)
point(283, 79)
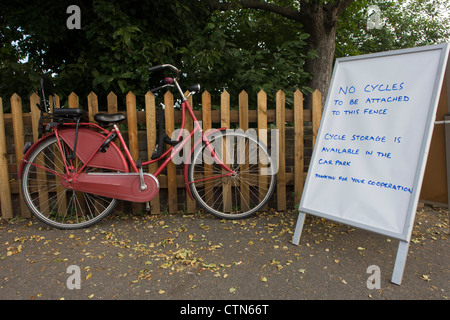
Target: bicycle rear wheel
point(240, 194)
point(49, 200)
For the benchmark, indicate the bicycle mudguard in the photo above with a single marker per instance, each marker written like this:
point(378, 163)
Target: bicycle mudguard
point(88, 142)
point(30, 150)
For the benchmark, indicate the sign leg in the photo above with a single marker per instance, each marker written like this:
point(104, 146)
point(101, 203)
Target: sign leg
point(400, 261)
point(299, 228)
point(447, 147)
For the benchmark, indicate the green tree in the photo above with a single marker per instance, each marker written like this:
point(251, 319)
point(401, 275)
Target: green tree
point(117, 43)
point(119, 40)
point(403, 24)
point(249, 50)
point(231, 44)
point(318, 18)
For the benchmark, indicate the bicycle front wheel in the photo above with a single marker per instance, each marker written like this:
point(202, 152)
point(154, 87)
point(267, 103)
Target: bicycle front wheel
point(235, 195)
point(49, 200)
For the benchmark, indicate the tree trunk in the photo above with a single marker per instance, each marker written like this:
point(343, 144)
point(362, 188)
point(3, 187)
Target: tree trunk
point(320, 22)
point(319, 19)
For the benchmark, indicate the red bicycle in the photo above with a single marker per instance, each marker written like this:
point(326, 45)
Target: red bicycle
point(74, 174)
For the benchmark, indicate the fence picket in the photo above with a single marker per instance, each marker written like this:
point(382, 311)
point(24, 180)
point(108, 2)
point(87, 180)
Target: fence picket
point(281, 174)
point(298, 147)
point(150, 114)
point(112, 103)
point(316, 113)
point(243, 124)
point(191, 205)
point(263, 180)
point(133, 142)
point(5, 187)
point(225, 122)
point(19, 142)
point(207, 124)
point(73, 100)
point(171, 169)
point(92, 106)
point(35, 115)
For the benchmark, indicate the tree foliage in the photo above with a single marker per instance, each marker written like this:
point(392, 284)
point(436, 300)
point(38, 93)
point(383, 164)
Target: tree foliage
point(403, 24)
point(120, 40)
point(249, 50)
point(229, 45)
point(112, 51)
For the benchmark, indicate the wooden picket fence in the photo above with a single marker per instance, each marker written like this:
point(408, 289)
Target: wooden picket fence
point(172, 180)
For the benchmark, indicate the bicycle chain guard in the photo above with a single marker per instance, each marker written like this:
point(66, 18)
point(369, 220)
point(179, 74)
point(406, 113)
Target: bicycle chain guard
point(121, 186)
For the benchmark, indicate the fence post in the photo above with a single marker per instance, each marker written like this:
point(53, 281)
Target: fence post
point(60, 189)
point(73, 100)
point(133, 143)
point(171, 168)
point(35, 115)
point(92, 106)
point(299, 146)
point(316, 114)
point(281, 174)
point(132, 126)
point(243, 124)
point(262, 136)
point(225, 122)
point(191, 204)
point(19, 141)
point(112, 103)
point(150, 118)
point(5, 188)
point(206, 125)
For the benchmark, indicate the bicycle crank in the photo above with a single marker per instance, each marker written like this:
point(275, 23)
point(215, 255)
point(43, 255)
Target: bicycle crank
point(121, 186)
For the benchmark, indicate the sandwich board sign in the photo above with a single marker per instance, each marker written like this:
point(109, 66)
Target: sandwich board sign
point(371, 149)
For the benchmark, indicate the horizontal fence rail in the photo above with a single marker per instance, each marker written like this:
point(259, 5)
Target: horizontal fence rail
point(297, 129)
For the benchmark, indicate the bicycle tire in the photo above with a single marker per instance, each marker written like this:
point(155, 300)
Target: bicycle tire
point(49, 201)
point(240, 195)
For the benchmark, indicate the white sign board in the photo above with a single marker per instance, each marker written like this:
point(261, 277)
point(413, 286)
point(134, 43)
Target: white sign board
point(370, 153)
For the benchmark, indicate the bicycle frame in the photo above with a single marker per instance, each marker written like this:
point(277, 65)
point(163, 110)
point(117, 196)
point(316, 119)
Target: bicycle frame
point(90, 155)
point(73, 176)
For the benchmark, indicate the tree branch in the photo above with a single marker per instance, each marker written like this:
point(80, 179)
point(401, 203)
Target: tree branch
point(256, 4)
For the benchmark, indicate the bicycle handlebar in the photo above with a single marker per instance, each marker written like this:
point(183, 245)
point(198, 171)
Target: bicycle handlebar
point(173, 82)
point(163, 66)
point(168, 82)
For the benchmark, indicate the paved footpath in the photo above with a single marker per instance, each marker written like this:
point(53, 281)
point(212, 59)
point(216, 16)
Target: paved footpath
point(198, 257)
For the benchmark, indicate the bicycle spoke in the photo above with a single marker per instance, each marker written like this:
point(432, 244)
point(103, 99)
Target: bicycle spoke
point(232, 195)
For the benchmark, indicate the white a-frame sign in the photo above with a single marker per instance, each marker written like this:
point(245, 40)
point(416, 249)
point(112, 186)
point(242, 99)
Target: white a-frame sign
point(371, 150)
